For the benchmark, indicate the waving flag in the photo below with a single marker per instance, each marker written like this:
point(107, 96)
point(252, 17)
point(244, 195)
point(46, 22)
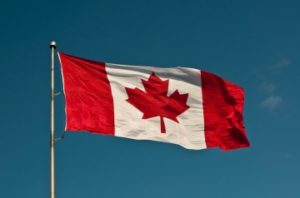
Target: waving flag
point(184, 106)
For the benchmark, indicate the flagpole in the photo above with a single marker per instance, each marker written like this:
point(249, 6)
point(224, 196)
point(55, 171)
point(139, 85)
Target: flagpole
point(52, 134)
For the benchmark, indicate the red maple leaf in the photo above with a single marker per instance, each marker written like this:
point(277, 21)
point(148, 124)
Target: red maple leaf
point(155, 102)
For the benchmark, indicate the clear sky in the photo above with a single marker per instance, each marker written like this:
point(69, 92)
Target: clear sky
point(254, 44)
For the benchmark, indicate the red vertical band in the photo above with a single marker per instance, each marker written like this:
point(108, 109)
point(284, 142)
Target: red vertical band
point(89, 102)
point(223, 104)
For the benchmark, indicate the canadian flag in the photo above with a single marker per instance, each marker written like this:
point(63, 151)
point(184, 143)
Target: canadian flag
point(184, 106)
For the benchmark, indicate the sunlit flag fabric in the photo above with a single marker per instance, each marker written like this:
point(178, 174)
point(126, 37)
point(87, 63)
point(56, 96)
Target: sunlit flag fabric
point(192, 108)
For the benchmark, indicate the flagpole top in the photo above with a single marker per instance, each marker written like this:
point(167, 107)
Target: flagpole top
point(53, 44)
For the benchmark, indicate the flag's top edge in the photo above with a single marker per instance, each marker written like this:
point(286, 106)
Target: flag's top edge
point(151, 67)
point(124, 65)
point(135, 66)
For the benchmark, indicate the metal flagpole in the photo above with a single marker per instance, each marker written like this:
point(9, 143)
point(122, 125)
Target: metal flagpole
point(52, 134)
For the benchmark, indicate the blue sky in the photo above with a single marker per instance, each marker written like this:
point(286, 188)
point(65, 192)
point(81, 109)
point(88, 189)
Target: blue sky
point(255, 44)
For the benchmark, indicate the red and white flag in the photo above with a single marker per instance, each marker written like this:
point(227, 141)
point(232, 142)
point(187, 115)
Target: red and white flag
point(184, 106)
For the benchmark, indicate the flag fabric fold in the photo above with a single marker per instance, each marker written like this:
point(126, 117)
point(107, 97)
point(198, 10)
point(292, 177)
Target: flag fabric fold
point(185, 106)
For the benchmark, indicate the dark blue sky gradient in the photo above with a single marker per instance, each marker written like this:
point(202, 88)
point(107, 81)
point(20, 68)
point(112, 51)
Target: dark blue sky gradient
point(255, 44)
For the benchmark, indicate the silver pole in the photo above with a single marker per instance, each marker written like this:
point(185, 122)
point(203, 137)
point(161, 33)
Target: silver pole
point(52, 135)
